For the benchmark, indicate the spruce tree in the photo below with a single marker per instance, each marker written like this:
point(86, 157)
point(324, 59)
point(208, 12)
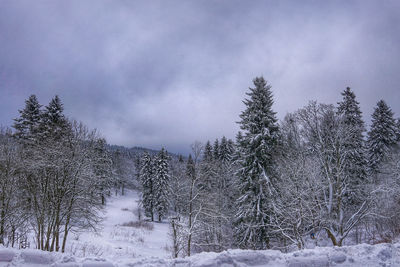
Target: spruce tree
point(147, 180)
point(161, 184)
point(356, 161)
point(237, 146)
point(381, 137)
point(54, 123)
point(216, 150)
point(258, 148)
point(102, 168)
point(208, 152)
point(231, 148)
point(27, 126)
point(224, 150)
point(207, 167)
point(190, 168)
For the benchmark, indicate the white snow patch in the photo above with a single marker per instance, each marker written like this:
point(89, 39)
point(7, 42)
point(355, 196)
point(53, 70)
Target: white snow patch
point(357, 256)
point(117, 242)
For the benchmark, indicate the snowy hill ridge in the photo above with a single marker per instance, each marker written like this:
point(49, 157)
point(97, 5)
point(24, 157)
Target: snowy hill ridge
point(360, 255)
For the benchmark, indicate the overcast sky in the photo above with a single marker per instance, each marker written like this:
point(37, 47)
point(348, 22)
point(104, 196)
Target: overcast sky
point(166, 73)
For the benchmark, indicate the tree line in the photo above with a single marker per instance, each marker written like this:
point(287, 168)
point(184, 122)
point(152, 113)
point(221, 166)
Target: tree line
point(54, 177)
point(316, 175)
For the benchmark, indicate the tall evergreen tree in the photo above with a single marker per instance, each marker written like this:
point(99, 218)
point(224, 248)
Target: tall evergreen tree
point(216, 149)
point(237, 146)
point(381, 137)
point(161, 184)
point(54, 123)
point(258, 148)
point(27, 126)
point(356, 161)
point(147, 180)
point(224, 150)
point(208, 152)
point(102, 168)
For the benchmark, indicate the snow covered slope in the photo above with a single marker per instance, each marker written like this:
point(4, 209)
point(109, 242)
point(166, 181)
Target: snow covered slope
point(361, 255)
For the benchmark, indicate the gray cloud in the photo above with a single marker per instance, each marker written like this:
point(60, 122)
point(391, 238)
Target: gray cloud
point(169, 72)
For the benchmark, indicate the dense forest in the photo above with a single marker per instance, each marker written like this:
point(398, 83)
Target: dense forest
point(316, 175)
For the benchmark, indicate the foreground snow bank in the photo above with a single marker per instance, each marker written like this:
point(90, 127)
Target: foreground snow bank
point(360, 255)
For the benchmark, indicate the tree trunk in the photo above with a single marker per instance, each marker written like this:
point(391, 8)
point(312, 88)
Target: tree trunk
point(332, 237)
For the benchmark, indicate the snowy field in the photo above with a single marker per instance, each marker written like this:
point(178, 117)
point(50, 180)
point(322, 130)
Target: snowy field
point(120, 246)
point(117, 242)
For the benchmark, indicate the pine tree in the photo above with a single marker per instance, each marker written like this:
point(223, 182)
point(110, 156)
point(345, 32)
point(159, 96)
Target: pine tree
point(216, 150)
point(381, 137)
point(231, 148)
point(102, 167)
point(258, 147)
point(190, 168)
point(54, 123)
point(224, 150)
point(237, 146)
point(208, 152)
point(161, 184)
point(27, 126)
point(207, 167)
point(356, 162)
point(147, 179)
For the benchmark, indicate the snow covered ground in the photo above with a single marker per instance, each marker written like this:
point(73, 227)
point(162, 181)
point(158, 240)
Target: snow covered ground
point(127, 246)
point(357, 256)
point(117, 242)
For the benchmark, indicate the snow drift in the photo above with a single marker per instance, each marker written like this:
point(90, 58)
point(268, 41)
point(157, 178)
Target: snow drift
point(360, 255)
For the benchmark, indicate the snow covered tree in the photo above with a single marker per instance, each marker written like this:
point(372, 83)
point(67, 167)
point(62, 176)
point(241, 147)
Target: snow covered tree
point(257, 174)
point(398, 131)
point(54, 124)
point(208, 152)
point(191, 175)
point(102, 164)
point(147, 180)
point(13, 220)
point(354, 146)
point(324, 133)
point(237, 146)
point(122, 171)
point(178, 185)
point(59, 189)
point(161, 184)
point(296, 214)
point(225, 150)
point(386, 219)
point(216, 149)
point(381, 137)
point(27, 126)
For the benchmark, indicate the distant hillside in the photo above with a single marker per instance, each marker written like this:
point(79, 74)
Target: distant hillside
point(136, 151)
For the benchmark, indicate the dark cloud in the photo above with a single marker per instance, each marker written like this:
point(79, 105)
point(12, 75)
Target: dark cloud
point(167, 73)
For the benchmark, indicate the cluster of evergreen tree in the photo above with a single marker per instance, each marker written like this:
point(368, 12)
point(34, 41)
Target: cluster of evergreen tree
point(154, 176)
point(314, 173)
point(54, 174)
point(312, 176)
